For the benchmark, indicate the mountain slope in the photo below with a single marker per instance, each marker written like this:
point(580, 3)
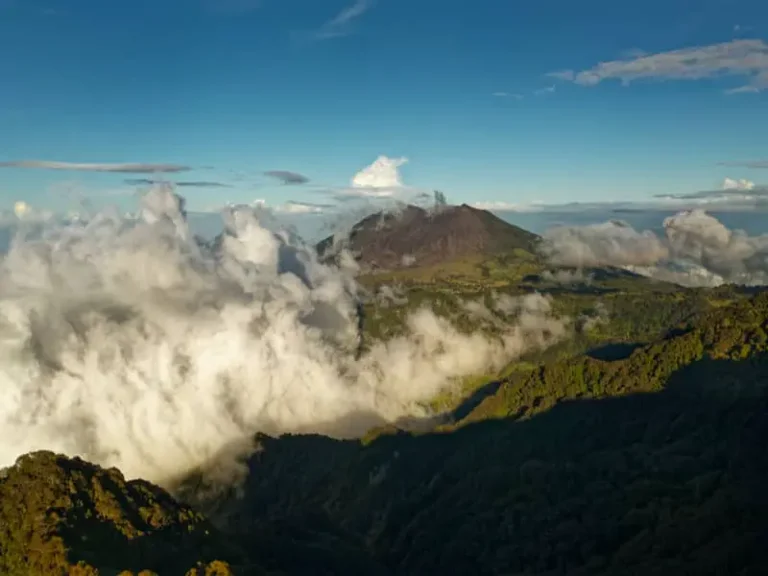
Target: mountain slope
point(415, 236)
point(651, 463)
point(61, 515)
point(654, 463)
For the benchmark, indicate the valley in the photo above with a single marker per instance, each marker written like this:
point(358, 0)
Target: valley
point(632, 443)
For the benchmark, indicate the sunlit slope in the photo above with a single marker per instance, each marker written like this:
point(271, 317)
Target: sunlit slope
point(67, 516)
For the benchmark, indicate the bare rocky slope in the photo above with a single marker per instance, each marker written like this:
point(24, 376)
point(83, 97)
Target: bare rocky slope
point(415, 236)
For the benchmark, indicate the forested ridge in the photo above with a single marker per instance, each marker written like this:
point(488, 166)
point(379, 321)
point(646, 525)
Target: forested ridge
point(649, 463)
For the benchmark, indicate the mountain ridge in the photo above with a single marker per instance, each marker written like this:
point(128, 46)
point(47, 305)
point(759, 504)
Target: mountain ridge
point(61, 515)
point(649, 463)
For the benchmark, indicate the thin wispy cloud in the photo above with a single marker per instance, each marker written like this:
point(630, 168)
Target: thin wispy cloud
point(724, 195)
point(746, 164)
point(740, 191)
point(721, 200)
point(181, 184)
point(287, 177)
point(343, 23)
point(310, 204)
point(510, 95)
point(82, 195)
point(500, 206)
point(348, 194)
point(96, 167)
point(634, 53)
point(294, 207)
point(743, 58)
point(547, 90)
point(743, 90)
point(562, 75)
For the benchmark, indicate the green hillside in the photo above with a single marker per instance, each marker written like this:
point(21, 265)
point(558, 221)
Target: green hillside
point(65, 516)
point(649, 463)
point(652, 464)
point(610, 309)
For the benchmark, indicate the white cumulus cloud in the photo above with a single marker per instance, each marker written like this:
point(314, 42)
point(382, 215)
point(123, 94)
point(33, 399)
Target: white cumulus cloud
point(696, 249)
point(131, 345)
point(383, 173)
point(741, 184)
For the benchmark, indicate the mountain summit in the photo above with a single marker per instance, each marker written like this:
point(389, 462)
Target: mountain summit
point(425, 237)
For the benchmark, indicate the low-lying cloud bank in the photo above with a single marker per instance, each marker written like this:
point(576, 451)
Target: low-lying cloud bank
point(129, 343)
point(696, 250)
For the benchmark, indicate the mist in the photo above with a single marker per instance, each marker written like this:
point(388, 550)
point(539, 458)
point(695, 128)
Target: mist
point(613, 243)
point(696, 249)
point(129, 343)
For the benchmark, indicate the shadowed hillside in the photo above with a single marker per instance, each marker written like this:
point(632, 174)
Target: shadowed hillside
point(650, 464)
point(414, 236)
point(667, 483)
point(66, 516)
point(652, 461)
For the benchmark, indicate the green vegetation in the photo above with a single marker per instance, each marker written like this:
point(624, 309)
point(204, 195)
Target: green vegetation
point(467, 274)
point(650, 464)
point(733, 333)
point(66, 516)
point(638, 446)
point(607, 306)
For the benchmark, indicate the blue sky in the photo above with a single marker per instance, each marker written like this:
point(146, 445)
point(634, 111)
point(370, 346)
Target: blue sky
point(322, 88)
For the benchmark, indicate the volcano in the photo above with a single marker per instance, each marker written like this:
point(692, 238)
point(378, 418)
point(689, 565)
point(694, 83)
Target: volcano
point(413, 236)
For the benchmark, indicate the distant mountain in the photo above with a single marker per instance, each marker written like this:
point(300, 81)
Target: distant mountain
point(414, 236)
